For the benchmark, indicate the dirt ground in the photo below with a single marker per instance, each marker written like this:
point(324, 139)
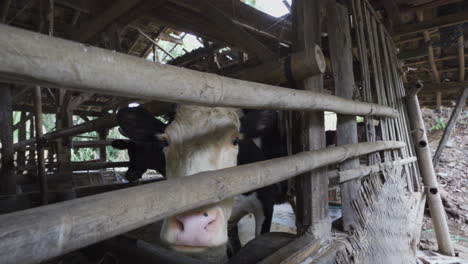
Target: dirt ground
point(452, 175)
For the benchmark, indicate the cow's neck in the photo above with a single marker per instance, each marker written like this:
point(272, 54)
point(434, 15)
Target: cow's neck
point(213, 255)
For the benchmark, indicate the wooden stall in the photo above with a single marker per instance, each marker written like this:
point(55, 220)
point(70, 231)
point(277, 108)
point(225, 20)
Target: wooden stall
point(84, 60)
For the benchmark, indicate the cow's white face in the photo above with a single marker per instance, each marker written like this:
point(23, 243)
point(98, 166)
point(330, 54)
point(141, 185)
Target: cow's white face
point(200, 139)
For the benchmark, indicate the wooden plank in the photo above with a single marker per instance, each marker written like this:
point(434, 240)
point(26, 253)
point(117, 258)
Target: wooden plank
point(240, 38)
point(450, 126)
point(342, 63)
point(309, 133)
point(102, 71)
point(7, 172)
point(461, 58)
point(443, 21)
point(64, 227)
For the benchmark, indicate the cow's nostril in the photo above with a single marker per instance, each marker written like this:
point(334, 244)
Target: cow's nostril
point(179, 224)
point(205, 214)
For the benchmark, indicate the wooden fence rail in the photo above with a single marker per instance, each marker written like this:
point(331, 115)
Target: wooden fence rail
point(54, 62)
point(37, 234)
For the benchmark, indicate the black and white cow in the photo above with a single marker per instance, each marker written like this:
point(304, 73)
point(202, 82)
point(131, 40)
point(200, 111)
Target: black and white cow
point(207, 138)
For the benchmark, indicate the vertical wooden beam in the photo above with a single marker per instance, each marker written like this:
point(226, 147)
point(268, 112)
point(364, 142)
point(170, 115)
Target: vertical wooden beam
point(312, 188)
point(430, 53)
point(426, 167)
point(339, 38)
point(21, 154)
point(41, 173)
point(451, 124)
point(7, 176)
point(102, 149)
point(461, 58)
point(5, 8)
point(64, 120)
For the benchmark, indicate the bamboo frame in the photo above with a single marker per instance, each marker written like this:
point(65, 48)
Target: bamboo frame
point(67, 64)
point(429, 177)
point(64, 227)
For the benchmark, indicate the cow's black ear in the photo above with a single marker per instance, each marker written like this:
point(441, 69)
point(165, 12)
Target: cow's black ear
point(120, 144)
point(138, 124)
point(257, 123)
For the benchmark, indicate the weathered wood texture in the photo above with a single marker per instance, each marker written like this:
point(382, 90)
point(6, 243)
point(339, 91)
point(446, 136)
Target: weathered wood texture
point(450, 126)
point(64, 227)
point(312, 187)
point(429, 177)
point(274, 72)
point(295, 252)
point(7, 170)
point(346, 129)
point(151, 80)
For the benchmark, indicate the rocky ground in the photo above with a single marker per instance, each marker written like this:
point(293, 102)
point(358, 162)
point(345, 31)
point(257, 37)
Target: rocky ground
point(452, 175)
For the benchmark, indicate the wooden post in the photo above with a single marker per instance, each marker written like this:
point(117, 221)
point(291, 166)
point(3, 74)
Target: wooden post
point(7, 176)
point(429, 177)
point(41, 173)
point(102, 149)
point(461, 58)
point(37, 234)
point(21, 155)
point(451, 124)
point(340, 42)
point(309, 133)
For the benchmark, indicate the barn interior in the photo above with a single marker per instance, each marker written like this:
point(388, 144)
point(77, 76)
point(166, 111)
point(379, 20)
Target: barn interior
point(56, 139)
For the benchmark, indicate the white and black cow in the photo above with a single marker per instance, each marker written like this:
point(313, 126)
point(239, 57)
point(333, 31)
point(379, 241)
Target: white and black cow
point(211, 138)
point(202, 139)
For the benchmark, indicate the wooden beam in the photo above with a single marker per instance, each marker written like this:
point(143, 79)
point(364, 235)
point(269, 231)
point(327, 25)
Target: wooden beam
point(309, 133)
point(138, 78)
point(275, 71)
point(450, 125)
point(148, 46)
point(426, 167)
point(461, 58)
point(5, 8)
point(100, 22)
point(239, 37)
point(342, 63)
point(91, 143)
point(39, 145)
point(7, 172)
point(443, 21)
point(66, 226)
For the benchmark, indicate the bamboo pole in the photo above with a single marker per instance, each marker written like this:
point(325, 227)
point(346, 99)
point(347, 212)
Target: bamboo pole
point(37, 234)
point(68, 64)
point(41, 173)
point(426, 167)
point(461, 58)
point(451, 124)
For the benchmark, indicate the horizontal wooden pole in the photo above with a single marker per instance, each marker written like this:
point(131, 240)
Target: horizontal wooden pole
point(275, 72)
point(91, 143)
point(83, 165)
point(89, 69)
point(37, 234)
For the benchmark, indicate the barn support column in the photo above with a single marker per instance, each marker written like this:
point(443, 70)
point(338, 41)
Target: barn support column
point(339, 38)
point(426, 167)
point(64, 120)
point(102, 148)
point(21, 155)
point(41, 173)
point(7, 173)
point(309, 133)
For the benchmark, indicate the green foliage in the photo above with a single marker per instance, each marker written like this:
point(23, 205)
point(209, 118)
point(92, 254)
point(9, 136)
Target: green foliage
point(440, 124)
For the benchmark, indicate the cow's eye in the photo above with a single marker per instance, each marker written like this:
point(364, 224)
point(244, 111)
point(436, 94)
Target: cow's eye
point(165, 142)
point(236, 141)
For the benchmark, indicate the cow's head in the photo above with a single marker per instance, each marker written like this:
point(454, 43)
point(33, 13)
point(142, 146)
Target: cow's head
point(200, 139)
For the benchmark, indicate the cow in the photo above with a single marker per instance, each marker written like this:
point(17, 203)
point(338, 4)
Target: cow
point(201, 139)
